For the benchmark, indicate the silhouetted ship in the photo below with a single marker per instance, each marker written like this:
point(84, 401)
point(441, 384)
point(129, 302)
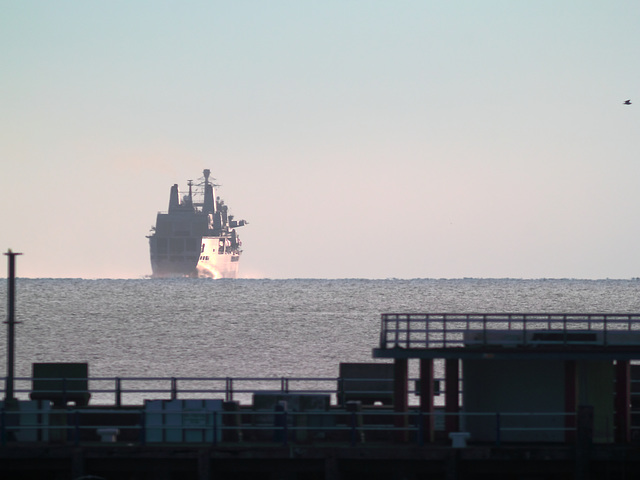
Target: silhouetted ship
point(195, 239)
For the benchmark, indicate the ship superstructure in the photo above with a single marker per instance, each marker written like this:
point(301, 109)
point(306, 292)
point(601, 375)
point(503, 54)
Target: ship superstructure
point(195, 239)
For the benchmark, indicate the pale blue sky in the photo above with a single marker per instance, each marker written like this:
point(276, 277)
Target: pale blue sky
point(359, 138)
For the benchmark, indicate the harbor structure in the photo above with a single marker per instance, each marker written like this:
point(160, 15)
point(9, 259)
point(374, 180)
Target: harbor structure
point(520, 362)
point(523, 396)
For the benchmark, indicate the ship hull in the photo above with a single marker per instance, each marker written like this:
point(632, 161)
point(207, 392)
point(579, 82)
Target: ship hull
point(217, 259)
point(210, 262)
point(173, 257)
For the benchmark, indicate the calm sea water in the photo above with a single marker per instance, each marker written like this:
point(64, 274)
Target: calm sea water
point(257, 328)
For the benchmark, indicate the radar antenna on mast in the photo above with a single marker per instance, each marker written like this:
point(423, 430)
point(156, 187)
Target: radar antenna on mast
point(208, 180)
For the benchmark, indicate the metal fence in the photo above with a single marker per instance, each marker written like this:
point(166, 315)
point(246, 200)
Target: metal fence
point(273, 427)
point(132, 391)
point(124, 401)
point(119, 391)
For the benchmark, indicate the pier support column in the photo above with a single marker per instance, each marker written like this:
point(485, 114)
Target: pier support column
point(401, 396)
point(623, 401)
point(426, 398)
point(77, 463)
point(584, 442)
point(204, 465)
point(331, 469)
point(451, 394)
point(570, 399)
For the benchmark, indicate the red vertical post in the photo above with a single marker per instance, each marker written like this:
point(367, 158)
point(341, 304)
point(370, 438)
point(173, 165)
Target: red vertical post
point(570, 398)
point(451, 395)
point(401, 396)
point(426, 397)
point(623, 401)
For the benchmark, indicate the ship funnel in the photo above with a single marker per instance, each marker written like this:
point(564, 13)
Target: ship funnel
point(208, 205)
point(174, 199)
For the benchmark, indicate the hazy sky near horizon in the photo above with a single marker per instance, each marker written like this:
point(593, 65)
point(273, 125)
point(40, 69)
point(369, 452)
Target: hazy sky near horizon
point(360, 138)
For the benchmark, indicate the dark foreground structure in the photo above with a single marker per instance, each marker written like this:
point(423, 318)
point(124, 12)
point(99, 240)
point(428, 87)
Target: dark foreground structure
point(318, 462)
point(498, 396)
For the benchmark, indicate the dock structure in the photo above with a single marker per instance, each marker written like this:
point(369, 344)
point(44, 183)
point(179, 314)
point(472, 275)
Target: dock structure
point(526, 396)
point(524, 362)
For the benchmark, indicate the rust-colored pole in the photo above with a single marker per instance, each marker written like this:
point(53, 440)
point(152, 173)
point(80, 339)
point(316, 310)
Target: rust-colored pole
point(426, 398)
point(451, 395)
point(623, 401)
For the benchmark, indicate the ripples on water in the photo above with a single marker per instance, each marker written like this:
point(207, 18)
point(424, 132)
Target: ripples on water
point(258, 328)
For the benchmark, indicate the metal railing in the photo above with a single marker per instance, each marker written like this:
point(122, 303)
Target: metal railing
point(276, 427)
point(454, 330)
point(119, 391)
point(132, 391)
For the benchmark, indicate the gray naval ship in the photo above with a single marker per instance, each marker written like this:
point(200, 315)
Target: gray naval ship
point(195, 239)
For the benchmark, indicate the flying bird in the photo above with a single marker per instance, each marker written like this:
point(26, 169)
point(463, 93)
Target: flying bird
point(627, 102)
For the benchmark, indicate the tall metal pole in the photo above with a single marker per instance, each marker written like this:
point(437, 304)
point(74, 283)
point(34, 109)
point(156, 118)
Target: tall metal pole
point(9, 397)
